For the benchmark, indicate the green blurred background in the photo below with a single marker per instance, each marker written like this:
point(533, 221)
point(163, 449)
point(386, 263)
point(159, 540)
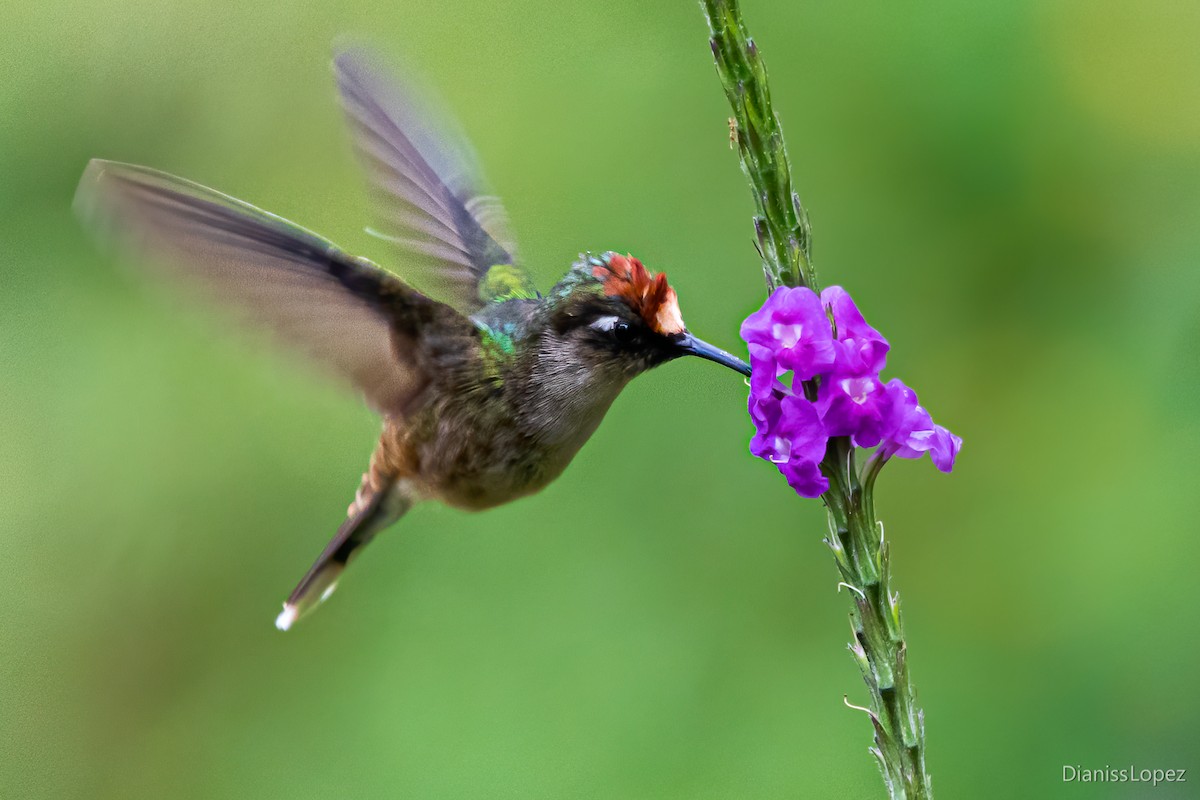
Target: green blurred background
point(1010, 190)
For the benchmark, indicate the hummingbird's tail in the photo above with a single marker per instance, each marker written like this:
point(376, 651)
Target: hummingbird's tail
point(369, 514)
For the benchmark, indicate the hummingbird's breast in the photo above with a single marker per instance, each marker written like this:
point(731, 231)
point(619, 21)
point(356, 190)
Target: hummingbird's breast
point(488, 446)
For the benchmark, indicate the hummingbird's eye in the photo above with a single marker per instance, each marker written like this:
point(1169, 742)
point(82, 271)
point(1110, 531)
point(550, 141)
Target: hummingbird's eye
point(615, 327)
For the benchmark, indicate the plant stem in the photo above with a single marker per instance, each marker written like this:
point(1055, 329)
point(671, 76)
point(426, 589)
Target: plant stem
point(781, 223)
point(856, 537)
point(861, 551)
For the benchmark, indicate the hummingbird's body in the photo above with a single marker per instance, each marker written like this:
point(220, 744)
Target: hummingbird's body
point(485, 398)
point(501, 421)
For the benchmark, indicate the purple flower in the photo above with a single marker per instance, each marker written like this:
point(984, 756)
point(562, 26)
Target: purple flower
point(945, 448)
point(801, 425)
point(793, 325)
point(764, 372)
point(908, 426)
point(805, 477)
point(909, 431)
point(853, 405)
point(792, 332)
point(767, 413)
point(860, 349)
point(766, 395)
point(789, 434)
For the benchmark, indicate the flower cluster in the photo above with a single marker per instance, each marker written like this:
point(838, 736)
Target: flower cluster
point(825, 339)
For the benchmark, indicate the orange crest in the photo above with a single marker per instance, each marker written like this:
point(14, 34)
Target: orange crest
point(647, 294)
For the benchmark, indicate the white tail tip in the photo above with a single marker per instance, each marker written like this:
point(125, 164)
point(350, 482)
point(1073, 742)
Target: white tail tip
point(286, 617)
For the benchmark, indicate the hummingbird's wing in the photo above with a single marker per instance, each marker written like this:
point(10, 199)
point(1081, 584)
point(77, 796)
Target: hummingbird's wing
point(342, 310)
point(431, 197)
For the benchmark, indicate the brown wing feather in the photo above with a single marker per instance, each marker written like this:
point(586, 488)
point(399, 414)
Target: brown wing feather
point(343, 311)
point(428, 188)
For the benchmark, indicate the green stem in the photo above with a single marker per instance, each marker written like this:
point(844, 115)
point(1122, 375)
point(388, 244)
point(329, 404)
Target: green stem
point(862, 554)
point(856, 538)
point(780, 223)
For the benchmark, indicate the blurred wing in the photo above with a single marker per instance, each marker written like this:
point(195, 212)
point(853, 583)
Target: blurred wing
point(343, 311)
point(428, 188)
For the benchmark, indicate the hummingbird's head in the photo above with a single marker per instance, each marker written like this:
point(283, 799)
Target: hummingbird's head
point(615, 316)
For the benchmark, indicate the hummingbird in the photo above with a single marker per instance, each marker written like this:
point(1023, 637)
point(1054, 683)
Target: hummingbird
point(486, 387)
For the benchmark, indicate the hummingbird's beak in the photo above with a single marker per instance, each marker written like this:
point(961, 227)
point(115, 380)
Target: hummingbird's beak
point(690, 345)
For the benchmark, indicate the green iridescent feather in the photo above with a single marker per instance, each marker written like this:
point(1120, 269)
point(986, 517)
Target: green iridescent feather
point(503, 325)
point(506, 282)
